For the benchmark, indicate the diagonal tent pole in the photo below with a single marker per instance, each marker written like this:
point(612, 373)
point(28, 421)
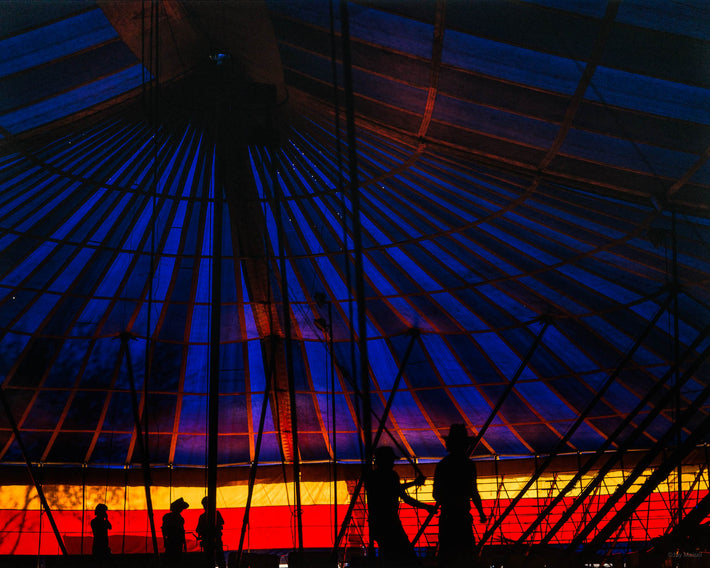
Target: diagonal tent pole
point(692, 520)
point(257, 451)
point(381, 427)
point(587, 466)
point(142, 448)
point(660, 474)
point(380, 419)
point(658, 448)
point(30, 471)
point(573, 428)
point(393, 439)
point(493, 413)
point(395, 387)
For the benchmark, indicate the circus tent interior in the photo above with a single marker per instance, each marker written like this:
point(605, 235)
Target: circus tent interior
point(243, 243)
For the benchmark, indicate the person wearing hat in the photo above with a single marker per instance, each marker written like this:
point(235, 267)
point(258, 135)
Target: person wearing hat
point(100, 525)
point(174, 532)
point(454, 489)
point(204, 533)
point(384, 490)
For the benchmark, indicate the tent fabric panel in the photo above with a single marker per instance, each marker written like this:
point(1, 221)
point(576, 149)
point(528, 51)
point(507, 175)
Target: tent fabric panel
point(24, 18)
point(63, 75)
point(511, 63)
point(675, 100)
point(626, 154)
point(495, 123)
point(65, 104)
point(686, 19)
point(27, 48)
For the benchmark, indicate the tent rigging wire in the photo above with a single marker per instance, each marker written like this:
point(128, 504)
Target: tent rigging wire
point(345, 239)
point(676, 353)
point(344, 213)
point(150, 59)
point(363, 370)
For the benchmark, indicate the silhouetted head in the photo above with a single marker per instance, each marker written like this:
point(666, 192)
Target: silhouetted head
point(101, 510)
point(458, 439)
point(178, 506)
point(204, 502)
point(384, 457)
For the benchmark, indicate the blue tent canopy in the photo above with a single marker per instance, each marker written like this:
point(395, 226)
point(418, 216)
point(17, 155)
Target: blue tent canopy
point(527, 171)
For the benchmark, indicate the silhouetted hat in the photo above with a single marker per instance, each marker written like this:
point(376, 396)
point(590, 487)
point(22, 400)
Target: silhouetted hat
point(458, 434)
point(179, 505)
point(385, 452)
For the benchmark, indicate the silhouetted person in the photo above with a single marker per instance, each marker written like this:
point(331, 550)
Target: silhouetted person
point(174, 532)
point(454, 488)
point(384, 490)
point(204, 534)
point(100, 525)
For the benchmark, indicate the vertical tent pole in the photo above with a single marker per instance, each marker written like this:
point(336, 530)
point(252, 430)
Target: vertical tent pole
point(583, 415)
point(692, 520)
point(83, 504)
point(30, 471)
point(357, 232)
point(583, 469)
point(142, 447)
point(214, 366)
point(334, 445)
point(280, 212)
point(676, 351)
point(493, 413)
point(364, 367)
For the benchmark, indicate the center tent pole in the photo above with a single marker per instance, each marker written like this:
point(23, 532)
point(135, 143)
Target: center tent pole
point(214, 371)
point(364, 367)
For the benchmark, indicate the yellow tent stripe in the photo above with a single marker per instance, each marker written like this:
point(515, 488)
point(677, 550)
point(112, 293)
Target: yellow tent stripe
point(70, 497)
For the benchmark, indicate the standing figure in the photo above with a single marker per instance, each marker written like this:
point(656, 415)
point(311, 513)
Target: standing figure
point(454, 489)
point(174, 532)
point(384, 490)
point(100, 525)
point(204, 534)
